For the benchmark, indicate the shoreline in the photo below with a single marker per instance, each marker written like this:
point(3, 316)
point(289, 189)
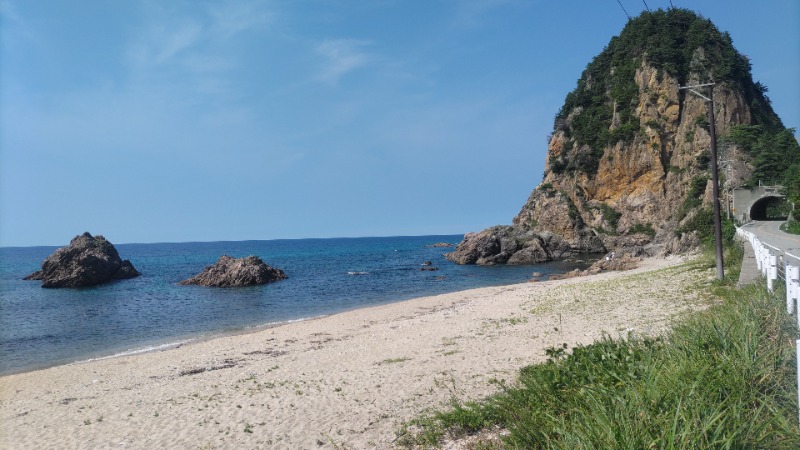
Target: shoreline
point(172, 343)
point(60, 327)
point(180, 340)
point(350, 378)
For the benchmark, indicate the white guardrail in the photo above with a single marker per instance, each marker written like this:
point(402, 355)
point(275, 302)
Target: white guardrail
point(776, 264)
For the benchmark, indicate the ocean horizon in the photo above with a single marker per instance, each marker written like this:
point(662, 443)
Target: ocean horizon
point(41, 327)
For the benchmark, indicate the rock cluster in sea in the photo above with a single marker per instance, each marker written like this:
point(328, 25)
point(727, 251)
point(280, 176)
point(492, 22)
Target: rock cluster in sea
point(231, 272)
point(87, 261)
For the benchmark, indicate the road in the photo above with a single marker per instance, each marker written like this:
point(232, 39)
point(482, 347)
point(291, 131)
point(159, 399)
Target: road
point(769, 233)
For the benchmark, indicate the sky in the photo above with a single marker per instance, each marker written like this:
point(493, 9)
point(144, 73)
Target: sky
point(175, 121)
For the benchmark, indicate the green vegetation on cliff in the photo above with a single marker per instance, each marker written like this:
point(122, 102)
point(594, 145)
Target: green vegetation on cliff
point(607, 91)
point(771, 150)
point(792, 183)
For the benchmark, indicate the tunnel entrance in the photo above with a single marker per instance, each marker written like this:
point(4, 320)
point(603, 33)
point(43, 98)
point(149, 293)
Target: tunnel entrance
point(770, 208)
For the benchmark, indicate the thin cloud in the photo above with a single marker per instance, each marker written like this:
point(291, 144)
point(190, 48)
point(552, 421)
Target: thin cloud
point(340, 57)
point(9, 18)
point(9, 12)
point(169, 36)
point(232, 18)
point(161, 43)
point(172, 42)
point(470, 14)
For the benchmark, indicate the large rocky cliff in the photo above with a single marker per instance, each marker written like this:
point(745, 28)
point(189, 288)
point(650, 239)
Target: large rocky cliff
point(627, 164)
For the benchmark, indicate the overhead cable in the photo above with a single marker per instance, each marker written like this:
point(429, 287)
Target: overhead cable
point(623, 10)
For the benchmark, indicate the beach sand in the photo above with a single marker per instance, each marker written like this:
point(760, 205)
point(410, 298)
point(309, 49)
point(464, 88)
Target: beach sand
point(348, 380)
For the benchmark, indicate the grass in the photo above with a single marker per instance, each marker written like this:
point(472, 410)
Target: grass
point(723, 378)
point(643, 228)
point(394, 360)
point(792, 227)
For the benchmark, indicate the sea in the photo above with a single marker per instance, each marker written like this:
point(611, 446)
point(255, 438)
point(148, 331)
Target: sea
point(41, 328)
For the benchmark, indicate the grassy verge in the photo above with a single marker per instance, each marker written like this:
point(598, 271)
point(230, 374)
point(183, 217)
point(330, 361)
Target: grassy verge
point(724, 378)
point(792, 227)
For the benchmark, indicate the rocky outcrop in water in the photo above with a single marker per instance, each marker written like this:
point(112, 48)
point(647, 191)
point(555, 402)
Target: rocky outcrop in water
point(236, 272)
point(87, 261)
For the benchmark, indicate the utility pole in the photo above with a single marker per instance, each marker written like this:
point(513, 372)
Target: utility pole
point(714, 176)
point(727, 186)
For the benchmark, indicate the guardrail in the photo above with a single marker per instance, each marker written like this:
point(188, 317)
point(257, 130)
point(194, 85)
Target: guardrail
point(777, 264)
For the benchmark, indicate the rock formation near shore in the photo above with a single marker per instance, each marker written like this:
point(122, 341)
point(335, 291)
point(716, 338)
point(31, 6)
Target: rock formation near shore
point(236, 272)
point(627, 164)
point(87, 261)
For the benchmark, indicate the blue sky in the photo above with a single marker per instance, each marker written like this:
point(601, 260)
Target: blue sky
point(166, 121)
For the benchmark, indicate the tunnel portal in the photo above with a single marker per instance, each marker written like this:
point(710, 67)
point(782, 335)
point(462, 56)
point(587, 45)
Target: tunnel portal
point(769, 208)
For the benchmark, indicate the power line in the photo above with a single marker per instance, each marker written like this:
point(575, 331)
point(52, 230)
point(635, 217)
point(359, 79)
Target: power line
point(645, 5)
point(671, 5)
point(623, 10)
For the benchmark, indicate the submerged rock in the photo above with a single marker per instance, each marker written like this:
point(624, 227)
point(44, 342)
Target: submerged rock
point(87, 261)
point(440, 244)
point(236, 272)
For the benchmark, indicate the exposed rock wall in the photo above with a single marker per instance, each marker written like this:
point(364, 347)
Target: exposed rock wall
point(636, 199)
point(645, 181)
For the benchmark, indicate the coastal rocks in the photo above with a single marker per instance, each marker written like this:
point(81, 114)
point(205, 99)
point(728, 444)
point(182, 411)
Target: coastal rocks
point(634, 244)
point(477, 247)
point(440, 244)
point(87, 261)
point(625, 262)
point(427, 266)
point(236, 272)
point(505, 244)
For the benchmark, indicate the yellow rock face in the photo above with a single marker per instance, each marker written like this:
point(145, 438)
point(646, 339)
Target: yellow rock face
point(645, 180)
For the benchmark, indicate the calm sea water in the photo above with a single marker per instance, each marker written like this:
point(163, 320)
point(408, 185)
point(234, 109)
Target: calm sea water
point(45, 327)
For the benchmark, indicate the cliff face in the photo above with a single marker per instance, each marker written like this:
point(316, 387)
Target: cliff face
point(627, 164)
point(643, 182)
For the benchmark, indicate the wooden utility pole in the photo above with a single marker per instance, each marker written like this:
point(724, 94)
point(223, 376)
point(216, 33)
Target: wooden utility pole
point(714, 169)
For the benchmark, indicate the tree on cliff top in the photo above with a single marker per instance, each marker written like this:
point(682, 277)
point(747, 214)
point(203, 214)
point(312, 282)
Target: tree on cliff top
point(667, 41)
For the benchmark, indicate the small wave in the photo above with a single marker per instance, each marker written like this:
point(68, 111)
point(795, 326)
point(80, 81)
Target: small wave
point(358, 273)
point(137, 351)
point(281, 322)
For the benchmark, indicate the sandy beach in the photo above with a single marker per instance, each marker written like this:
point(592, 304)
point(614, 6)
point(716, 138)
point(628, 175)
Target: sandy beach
point(348, 380)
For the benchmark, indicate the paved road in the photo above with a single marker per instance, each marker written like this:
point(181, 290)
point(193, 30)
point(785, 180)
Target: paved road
point(769, 233)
